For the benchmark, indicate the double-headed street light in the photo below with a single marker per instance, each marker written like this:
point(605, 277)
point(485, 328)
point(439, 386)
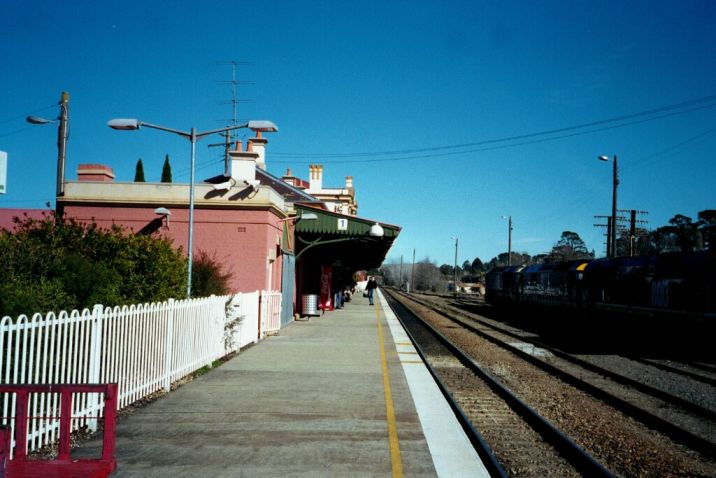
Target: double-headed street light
point(193, 136)
point(612, 230)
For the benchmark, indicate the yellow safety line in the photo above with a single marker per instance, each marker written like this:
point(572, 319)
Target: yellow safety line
point(395, 459)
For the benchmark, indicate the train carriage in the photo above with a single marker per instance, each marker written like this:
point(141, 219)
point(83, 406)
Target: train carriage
point(665, 285)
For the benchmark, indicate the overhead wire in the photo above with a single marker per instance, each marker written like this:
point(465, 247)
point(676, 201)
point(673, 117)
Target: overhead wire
point(448, 150)
point(576, 202)
point(19, 117)
point(15, 118)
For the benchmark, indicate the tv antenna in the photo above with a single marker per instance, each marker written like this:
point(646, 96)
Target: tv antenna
point(234, 102)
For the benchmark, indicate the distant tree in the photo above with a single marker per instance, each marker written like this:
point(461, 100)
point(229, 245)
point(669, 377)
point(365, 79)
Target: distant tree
point(166, 170)
point(569, 247)
point(391, 273)
point(502, 260)
point(467, 267)
point(541, 258)
point(683, 234)
point(139, 172)
point(686, 232)
point(428, 277)
point(477, 265)
point(446, 270)
point(663, 239)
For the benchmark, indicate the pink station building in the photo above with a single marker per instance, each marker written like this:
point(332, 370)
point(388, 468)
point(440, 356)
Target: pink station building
point(276, 234)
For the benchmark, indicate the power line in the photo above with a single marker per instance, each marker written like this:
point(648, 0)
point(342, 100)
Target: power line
point(22, 117)
point(576, 202)
point(668, 110)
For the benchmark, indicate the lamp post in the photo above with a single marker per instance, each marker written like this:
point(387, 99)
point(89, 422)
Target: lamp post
point(454, 270)
point(509, 239)
point(612, 245)
point(62, 137)
point(193, 136)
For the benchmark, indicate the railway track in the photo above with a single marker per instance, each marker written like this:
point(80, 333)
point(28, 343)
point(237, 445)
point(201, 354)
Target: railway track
point(678, 419)
point(521, 440)
point(692, 370)
point(680, 369)
point(684, 421)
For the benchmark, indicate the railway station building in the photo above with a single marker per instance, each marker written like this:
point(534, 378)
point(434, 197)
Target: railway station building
point(277, 234)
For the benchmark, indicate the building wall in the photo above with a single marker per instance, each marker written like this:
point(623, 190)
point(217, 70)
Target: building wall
point(7, 216)
point(242, 240)
point(240, 230)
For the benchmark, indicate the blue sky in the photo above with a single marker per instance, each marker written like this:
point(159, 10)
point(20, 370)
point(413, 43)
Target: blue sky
point(386, 92)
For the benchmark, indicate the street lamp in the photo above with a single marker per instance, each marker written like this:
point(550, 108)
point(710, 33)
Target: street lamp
point(509, 239)
point(193, 136)
point(612, 233)
point(454, 270)
point(62, 137)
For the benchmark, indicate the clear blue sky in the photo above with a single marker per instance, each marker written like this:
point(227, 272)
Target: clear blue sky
point(347, 82)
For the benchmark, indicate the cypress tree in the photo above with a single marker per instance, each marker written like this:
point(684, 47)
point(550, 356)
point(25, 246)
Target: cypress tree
point(166, 170)
point(139, 172)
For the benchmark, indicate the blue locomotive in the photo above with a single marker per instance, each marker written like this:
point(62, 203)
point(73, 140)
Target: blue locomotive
point(664, 285)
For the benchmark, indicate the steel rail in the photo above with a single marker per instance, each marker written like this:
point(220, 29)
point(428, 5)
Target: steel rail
point(642, 387)
point(489, 460)
point(677, 433)
point(676, 370)
point(572, 452)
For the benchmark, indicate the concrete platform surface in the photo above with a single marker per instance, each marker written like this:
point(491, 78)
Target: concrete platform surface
point(332, 396)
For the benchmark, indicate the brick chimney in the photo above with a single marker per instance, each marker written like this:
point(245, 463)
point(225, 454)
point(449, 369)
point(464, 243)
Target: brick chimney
point(288, 178)
point(316, 177)
point(257, 144)
point(243, 163)
point(94, 172)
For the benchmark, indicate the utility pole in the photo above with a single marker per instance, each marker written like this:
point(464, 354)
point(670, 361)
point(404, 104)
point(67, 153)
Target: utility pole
point(613, 228)
point(633, 230)
point(454, 270)
point(412, 274)
point(400, 280)
point(509, 239)
point(62, 135)
point(608, 240)
point(615, 183)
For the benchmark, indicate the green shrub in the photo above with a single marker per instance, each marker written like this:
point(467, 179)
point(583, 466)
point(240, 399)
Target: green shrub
point(208, 276)
point(55, 264)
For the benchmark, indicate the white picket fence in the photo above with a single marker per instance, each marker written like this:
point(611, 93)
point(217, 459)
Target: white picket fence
point(144, 348)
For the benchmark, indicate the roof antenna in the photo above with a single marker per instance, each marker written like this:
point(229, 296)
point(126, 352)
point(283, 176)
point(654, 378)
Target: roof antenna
point(234, 120)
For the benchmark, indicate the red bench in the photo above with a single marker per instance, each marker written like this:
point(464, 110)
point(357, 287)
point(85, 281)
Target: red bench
point(18, 465)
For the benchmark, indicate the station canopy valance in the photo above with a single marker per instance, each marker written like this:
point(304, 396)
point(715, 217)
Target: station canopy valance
point(351, 241)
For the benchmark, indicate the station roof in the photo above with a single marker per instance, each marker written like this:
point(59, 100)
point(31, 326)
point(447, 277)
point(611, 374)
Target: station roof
point(342, 239)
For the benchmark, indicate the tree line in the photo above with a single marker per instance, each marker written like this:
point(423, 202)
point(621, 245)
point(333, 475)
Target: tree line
point(166, 171)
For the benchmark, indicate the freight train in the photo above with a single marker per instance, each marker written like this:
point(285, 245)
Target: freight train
point(664, 285)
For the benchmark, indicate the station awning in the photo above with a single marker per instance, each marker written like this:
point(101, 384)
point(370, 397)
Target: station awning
point(347, 241)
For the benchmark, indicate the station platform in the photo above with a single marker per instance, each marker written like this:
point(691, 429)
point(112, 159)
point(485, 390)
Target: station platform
point(343, 394)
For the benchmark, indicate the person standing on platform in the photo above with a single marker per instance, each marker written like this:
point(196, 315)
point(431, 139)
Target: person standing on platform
point(370, 287)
